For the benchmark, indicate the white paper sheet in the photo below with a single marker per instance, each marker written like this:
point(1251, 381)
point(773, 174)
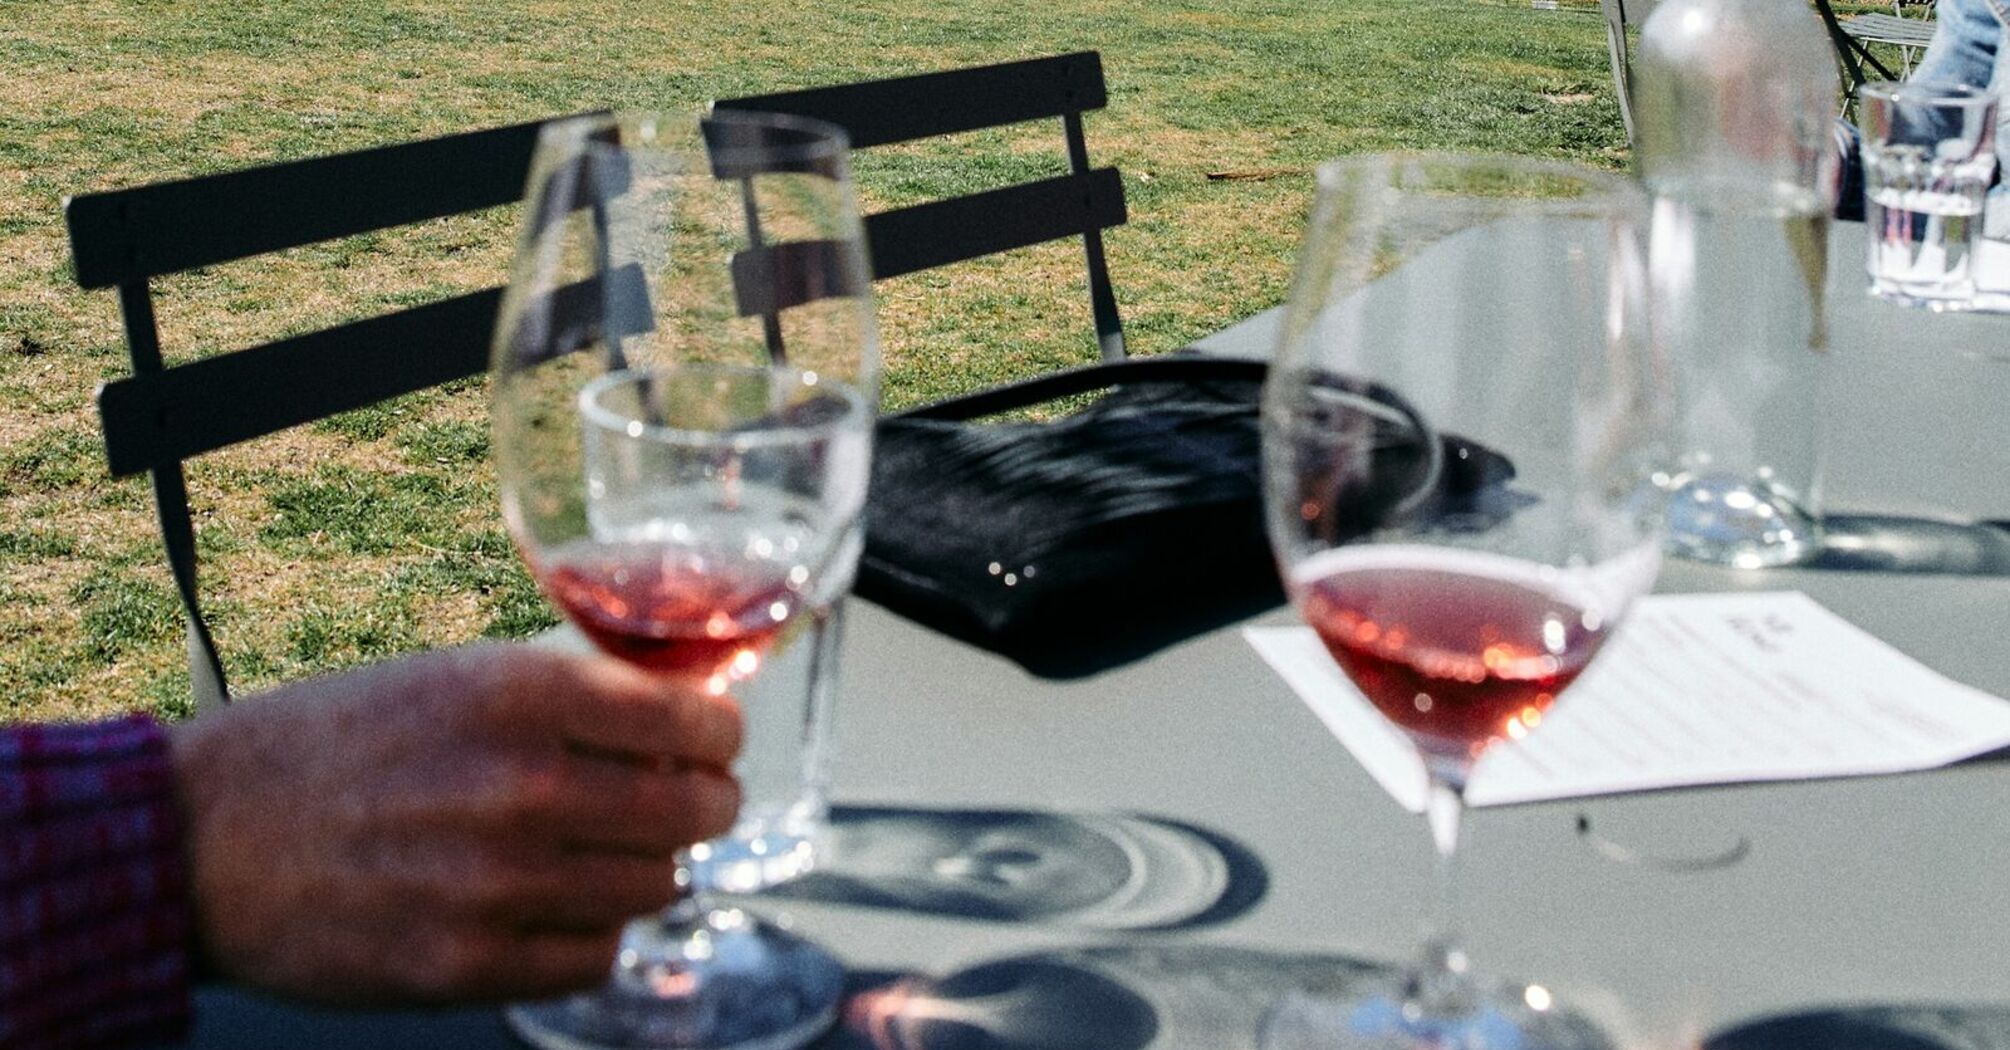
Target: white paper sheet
point(1694, 689)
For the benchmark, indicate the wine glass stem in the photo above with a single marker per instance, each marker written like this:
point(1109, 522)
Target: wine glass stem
point(685, 912)
point(1439, 982)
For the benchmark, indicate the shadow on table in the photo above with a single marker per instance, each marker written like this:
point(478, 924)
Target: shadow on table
point(1106, 871)
point(1102, 998)
point(1178, 997)
point(1943, 1027)
point(231, 1018)
point(1883, 543)
point(1128, 997)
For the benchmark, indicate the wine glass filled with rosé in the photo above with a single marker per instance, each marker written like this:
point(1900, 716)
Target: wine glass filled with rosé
point(684, 382)
point(1460, 433)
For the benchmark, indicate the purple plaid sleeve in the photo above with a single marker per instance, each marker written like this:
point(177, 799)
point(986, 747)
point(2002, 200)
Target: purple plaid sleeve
point(94, 913)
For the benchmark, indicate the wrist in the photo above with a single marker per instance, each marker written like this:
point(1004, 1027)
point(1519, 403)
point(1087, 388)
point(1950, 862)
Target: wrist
point(190, 747)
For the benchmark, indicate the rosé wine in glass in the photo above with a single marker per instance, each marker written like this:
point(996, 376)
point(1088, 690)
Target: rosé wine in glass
point(1460, 431)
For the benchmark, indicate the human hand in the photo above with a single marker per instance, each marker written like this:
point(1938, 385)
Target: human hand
point(474, 824)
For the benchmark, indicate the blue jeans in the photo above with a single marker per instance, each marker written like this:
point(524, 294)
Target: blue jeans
point(1967, 44)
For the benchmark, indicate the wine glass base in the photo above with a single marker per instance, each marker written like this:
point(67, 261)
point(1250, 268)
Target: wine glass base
point(732, 982)
point(1745, 523)
point(1376, 1017)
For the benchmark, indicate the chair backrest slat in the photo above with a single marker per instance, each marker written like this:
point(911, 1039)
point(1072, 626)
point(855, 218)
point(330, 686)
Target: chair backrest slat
point(159, 418)
point(155, 419)
point(900, 109)
point(906, 240)
point(147, 231)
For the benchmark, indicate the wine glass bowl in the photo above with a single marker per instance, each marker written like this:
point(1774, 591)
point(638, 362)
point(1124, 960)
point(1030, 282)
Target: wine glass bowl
point(720, 504)
point(1458, 651)
point(1461, 433)
point(684, 381)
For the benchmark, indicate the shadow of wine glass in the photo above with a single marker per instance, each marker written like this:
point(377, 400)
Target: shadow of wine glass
point(1013, 1004)
point(1084, 870)
point(1887, 543)
point(1888, 1027)
point(1112, 997)
point(1100, 998)
point(1643, 841)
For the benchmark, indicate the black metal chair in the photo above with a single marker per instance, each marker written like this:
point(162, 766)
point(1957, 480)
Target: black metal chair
point(160, 417)
point(1853, 37)
point(1620, 15)
point(1082, 203)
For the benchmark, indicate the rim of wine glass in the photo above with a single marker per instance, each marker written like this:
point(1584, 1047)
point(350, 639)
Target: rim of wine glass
point(828, 140)
point(1927, 93)
point(821, 140)
point(764, 436)
point(1605, 186)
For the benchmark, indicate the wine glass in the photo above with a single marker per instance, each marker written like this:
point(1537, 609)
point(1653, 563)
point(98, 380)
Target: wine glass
point(1460, 435)
point(684, 379)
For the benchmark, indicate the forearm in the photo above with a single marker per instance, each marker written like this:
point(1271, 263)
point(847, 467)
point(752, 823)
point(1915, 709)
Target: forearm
point(94, 915)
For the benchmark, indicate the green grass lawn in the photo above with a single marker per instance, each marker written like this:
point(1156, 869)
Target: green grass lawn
point(376, 533)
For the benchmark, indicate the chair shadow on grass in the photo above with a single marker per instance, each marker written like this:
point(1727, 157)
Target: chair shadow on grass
point(1104, 871)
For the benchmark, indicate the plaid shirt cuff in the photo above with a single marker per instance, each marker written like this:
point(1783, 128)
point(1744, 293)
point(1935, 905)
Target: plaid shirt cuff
point(94, 911)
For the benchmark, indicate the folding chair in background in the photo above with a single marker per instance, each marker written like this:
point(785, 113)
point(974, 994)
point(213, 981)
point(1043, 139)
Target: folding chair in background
point(1082, 203)
point(160, 417)
point(1621, 15)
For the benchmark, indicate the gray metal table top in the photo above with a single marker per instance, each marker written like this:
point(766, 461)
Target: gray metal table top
point(1888, 889)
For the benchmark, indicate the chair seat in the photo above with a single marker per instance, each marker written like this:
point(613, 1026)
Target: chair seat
point(1890, 29)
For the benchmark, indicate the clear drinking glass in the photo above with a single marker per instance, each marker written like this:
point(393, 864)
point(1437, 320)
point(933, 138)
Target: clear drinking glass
point(1461, 431)
point(685, 373)
point(1928, 157)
